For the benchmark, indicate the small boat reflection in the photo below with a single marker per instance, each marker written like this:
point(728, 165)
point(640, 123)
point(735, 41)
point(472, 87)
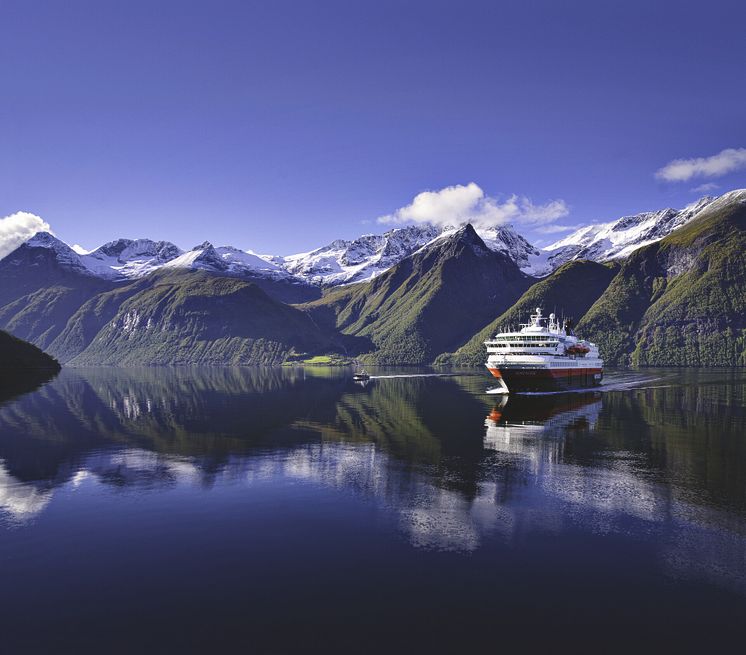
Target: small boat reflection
point(515, 422)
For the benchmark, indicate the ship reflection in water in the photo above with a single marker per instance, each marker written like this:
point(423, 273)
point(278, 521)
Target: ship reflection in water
point(423, 490)
point(515, 423)
point(535, 426)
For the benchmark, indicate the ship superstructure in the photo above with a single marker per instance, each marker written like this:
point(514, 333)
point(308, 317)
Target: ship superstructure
point(543, 355)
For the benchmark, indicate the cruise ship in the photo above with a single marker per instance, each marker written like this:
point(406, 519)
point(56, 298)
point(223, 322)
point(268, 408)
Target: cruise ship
point(543, 356)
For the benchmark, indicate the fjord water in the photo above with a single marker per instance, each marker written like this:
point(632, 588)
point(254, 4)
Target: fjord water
point(222, 509)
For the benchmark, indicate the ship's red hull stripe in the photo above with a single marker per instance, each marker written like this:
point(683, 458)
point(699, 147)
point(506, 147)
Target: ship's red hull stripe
point(546, 372)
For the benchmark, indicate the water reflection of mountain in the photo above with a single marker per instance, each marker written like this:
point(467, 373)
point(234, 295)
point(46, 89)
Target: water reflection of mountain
point(435, 424)
point(431, 424)
point(454, 467)
point(211, 416)
point(15, 383)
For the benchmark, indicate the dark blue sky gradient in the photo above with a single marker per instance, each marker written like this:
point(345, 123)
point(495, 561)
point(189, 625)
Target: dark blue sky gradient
point(279, 126)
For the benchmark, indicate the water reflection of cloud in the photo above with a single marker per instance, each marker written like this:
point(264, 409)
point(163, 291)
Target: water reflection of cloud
point(134, 468)
point(535, 492)
point(693, 541)
point(431, 517)
point(21, 501)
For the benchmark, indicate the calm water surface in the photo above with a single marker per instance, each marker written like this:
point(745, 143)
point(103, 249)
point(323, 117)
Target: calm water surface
point(237, 510)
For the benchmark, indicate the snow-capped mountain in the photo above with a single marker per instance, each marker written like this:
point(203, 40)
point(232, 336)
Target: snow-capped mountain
point(128, 258)
point(227, 259)
point(341, 262)
point(503, 238)
point(64, 255)
point(617, 239)
point(361, 259)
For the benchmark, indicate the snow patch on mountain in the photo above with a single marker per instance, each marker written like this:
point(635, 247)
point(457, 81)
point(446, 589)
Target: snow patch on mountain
point(503, 238)
point(362, 259)
point(247, 260)
point(63, 253)
point(227, 259)
point(125, 259)
point(130, 258)
point(343, 262)
point(617, 239)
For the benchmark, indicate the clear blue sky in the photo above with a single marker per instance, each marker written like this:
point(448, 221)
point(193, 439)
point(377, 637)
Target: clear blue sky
point(278, 126)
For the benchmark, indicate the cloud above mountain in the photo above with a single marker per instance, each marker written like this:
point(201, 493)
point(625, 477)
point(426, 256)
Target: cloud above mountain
point(556, 229)
point(681, 170)
point(458, 204)
point(706, 187)
point(17, 228)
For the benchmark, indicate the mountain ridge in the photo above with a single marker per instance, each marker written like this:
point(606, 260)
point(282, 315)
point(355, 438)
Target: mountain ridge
point(682, 300)
point(676, 301)
point(620, 238)
point(362, 259)
point(408, 312)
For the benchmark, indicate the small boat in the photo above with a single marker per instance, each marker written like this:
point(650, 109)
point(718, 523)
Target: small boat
point(360, 375)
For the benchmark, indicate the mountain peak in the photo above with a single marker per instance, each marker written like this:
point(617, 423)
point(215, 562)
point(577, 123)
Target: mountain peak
point(362, 259)
point(368, 256)
point(63, 252)
point(113, 248)
point(468, 231)
point(53, 249)
point(45, 240)
point(126, 250)
point(466, 234)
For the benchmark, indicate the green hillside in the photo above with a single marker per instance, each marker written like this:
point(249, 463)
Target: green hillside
point(91, 317)
point(429, 303)
point(39, 295)
point(195, 318)
point(681, 301)
point(569, 291)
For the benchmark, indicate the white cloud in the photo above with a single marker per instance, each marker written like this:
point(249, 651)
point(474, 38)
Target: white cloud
point(681, 170)
point(555, 229)
point(705, 188)
point(17, 228)
point(460, 203)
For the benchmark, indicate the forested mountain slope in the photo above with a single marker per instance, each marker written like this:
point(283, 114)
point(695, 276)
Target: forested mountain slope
point(681, 301)
point(678, 301)
point(429, 303)
point(569, 291)
point(192, 318)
